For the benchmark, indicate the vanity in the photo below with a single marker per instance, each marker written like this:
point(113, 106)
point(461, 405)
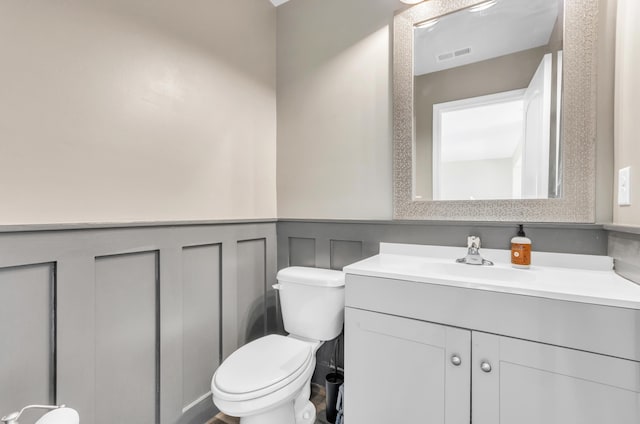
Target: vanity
point(429, 340)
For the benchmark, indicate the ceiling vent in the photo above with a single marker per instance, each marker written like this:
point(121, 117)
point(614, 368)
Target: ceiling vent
point(445, 56)
point(462, 52)
point(455, 54)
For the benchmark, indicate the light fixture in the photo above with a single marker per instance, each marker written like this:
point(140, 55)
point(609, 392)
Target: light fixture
point(483, 6)
point(411, 1)
point(427, 24)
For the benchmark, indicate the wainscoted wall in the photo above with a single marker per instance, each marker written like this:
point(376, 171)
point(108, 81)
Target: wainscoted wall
point(27, 372)
point(334, 244)
point(128, 324)
point(624, 247)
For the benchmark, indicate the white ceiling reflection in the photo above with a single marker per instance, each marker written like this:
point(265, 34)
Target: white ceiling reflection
point(509, 26)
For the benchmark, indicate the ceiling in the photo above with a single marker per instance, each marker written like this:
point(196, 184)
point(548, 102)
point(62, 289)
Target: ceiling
point(508, 27)
point(278, 2)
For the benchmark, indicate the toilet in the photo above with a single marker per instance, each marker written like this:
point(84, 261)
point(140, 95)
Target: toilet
point(268, 380)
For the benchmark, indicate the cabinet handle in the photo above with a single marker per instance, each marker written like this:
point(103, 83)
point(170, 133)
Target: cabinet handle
point(485, 366)
point(455, 360)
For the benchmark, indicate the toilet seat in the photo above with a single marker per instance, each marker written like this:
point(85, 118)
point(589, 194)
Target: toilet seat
point(262, 367)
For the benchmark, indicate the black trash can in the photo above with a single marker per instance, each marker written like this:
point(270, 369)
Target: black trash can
point(332, 383)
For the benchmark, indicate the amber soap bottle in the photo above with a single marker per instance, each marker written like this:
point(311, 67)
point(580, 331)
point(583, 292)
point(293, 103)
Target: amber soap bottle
point(521, 250)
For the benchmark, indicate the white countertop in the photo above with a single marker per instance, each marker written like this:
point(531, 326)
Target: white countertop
point(569, 277)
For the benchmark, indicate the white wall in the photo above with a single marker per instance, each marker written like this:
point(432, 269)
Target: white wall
point(334, 109)
point(482, 179)
point(334, 115)
point(141, 110)
point(136, 110)
point(604, 119)
point(627, 107)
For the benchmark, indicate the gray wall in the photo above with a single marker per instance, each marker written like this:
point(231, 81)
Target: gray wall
point(116, 314)
point(624, 247)
point(129, 324)
point(27, 323)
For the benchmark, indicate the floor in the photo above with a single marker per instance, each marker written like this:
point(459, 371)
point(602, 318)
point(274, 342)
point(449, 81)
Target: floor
point(317, 397)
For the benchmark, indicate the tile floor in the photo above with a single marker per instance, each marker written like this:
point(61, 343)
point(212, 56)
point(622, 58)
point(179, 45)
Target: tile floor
point(317, 397)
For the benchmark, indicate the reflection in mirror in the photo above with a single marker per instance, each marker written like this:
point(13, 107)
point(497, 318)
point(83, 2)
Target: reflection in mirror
point(487, 102)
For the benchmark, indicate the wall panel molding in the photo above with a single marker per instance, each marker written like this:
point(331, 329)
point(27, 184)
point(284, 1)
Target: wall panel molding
point(76, 334)
point(330, 238)
point(201, 316)
point(252, 282)
point(72, 251)
point(171, 333)
point(248, 266)
point(301, 251)
point(127, 337)
point(624, 248)
point(27, 331)
point(345, 252)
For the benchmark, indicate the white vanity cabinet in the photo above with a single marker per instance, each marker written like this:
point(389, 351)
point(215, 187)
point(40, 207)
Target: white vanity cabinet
point(411, 371)
point(403, 370)
point(431, 341)
point(419, 352)
point(525, 382)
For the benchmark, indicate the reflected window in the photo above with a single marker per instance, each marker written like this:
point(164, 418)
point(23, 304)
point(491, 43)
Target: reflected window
point(495, 146)
point(478, 147)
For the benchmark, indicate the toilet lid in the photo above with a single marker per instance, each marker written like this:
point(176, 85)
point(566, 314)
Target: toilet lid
point(263, 363)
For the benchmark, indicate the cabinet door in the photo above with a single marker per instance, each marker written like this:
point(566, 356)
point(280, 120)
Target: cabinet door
point(399, 370)
point(534, 383)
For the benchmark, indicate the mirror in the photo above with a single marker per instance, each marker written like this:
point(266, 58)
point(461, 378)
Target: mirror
point(493, 110)
point(486, 99)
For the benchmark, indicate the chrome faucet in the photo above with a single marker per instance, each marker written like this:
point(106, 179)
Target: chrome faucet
point(13, 417)
point(473, 254)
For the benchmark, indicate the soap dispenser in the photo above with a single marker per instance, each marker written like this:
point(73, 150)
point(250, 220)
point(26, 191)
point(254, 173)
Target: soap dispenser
point(521, 250)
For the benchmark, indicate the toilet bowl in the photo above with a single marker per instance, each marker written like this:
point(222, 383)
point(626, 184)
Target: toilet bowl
point(263, 375)
point(268, 380)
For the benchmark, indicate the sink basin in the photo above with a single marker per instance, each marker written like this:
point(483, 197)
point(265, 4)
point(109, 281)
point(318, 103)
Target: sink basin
point(480, 272)
point(439, 265)
point(561, 276)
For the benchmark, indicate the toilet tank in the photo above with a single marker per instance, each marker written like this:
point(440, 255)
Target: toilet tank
point(312, 302)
